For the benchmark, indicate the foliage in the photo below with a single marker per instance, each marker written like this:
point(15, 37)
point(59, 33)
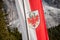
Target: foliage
point(5, 34)
point(54, 33)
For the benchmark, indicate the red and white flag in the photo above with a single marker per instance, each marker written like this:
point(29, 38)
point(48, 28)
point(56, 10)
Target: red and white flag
point(35, 20)
point(34, 14)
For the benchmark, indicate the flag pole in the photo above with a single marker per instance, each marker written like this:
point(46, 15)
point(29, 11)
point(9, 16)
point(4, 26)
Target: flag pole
point(25, 19)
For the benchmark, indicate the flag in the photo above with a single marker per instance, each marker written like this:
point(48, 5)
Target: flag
point(41, 31)
point(32, 19)
point(35, 20)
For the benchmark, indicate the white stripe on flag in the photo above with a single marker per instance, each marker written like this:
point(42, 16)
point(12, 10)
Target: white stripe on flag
point(19, 6)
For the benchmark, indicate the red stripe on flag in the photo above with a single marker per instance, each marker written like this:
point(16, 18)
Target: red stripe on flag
point(41, 31)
